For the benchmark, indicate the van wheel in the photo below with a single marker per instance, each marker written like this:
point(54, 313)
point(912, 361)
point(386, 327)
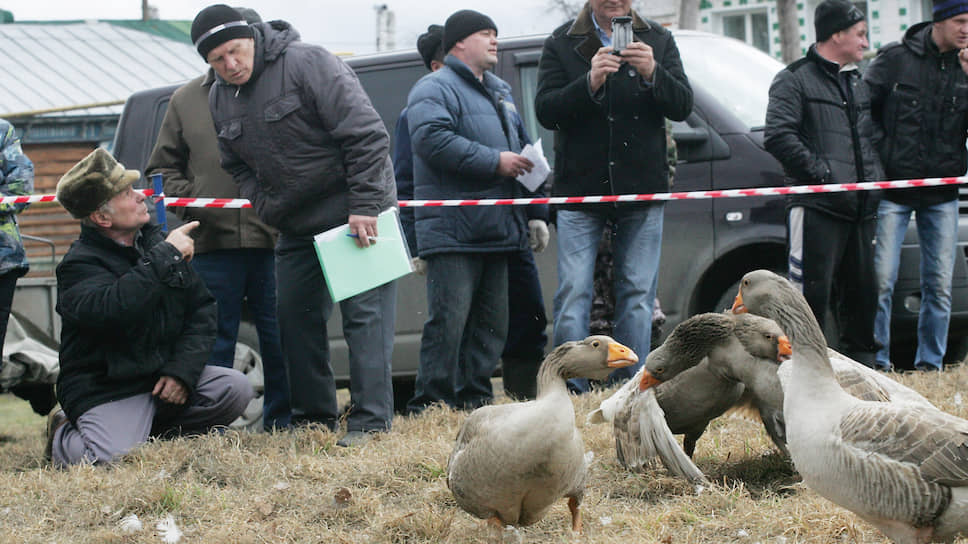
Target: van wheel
point(249, 362)
point(725, 300)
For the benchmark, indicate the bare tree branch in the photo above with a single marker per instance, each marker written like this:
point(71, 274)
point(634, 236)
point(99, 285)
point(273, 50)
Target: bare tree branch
point(689, 14)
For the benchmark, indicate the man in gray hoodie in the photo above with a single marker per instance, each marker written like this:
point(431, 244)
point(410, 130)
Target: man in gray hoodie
point(303, 141)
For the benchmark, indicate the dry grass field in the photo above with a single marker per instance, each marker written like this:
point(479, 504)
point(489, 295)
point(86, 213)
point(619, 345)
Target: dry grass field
point(300, 487)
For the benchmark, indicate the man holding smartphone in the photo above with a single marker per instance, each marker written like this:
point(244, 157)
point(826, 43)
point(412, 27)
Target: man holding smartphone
point(609, 108)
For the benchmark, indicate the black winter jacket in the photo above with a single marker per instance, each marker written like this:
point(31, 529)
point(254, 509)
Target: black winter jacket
point(818, 125)
point(919, 100)
point(615, 145)
point(301, 137)
point(128, 318)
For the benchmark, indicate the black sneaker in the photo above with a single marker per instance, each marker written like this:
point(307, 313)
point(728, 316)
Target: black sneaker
point(925, 367)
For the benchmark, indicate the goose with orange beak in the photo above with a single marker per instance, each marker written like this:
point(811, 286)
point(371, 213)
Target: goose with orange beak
point(512, 462)
point(710, 364)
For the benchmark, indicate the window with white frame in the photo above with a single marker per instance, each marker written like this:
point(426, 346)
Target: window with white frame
point(752, 27)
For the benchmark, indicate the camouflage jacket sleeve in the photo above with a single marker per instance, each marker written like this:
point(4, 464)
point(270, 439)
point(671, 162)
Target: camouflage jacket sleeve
point(17, 170)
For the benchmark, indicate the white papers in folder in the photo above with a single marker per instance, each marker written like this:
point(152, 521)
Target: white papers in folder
point(533, 179)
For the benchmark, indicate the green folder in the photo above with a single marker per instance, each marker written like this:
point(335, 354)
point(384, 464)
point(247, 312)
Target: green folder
point(351, 270)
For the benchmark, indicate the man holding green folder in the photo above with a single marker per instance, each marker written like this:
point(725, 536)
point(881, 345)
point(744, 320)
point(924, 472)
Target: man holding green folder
point(303, 141)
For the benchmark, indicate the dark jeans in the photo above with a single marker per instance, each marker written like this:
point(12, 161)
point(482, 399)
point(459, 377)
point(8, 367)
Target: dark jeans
point(8, 283)
point(40, 395)
point(467, 325)
point(234, 275)
point(305, 306)
point(527, 321)
point(838, 273)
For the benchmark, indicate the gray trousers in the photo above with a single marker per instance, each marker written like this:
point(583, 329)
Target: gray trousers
point(305, 306)
point(112, 429)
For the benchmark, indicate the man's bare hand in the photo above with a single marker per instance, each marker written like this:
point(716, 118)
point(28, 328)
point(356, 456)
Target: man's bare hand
point(182, 240)
point(639, 55)
point(963, 59)
point(363, 226)
point(603, 63)
point(170, 390)
point(513, 165)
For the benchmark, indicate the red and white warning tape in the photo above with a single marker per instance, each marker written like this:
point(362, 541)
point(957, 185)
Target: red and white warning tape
point(689, 195)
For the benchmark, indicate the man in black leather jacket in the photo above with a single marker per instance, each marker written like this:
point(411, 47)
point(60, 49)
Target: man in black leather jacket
point(138, 326)
point(818, 125)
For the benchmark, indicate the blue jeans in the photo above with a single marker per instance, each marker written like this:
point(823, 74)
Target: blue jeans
point(234, 275)
point(467, 324)
point(636, 246)
point(938, 238)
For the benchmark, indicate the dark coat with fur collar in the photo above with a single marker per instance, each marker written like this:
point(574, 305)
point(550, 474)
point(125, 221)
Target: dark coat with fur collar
point(614, 142)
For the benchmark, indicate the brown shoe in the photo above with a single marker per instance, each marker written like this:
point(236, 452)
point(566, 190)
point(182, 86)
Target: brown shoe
point(55, 420)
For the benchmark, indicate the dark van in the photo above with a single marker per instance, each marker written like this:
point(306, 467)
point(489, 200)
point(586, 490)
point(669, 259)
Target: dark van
point(708, 244)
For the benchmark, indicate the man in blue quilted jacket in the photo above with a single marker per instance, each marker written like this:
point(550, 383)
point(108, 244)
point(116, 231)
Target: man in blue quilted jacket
point(465, 146)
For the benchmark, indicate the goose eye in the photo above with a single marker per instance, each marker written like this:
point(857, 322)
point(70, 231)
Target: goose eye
point(596, 343)
point(659, 370)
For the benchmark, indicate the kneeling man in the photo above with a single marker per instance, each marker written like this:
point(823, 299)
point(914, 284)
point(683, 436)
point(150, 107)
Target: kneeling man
point(138, 326)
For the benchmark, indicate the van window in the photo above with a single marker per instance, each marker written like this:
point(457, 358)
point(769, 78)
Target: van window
point(737, 75)
point(388, 88)
point(529, 89)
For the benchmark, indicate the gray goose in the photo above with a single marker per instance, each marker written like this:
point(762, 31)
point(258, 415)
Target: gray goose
point(858, 380)
point(698, 360)
point(511, 462)
point(750, 357)
point(900, 465)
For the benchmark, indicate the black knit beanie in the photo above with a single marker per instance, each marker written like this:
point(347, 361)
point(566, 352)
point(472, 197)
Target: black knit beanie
point(462, 24)
point(832, 16)
point(428, 44)
point(250, 15)
point(946, 9)
point(216, 25)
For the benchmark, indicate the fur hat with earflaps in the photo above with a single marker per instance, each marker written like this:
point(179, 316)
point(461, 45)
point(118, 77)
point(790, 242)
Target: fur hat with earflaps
point(93, 181)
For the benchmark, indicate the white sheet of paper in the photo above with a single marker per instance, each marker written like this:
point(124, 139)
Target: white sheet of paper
point(533, 179)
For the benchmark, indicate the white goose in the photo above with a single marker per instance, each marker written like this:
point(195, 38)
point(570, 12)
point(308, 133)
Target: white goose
point(511, 462)
point(899, 465)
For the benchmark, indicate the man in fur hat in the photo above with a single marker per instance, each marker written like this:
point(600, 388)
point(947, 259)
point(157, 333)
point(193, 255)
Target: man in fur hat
point(138, 326)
